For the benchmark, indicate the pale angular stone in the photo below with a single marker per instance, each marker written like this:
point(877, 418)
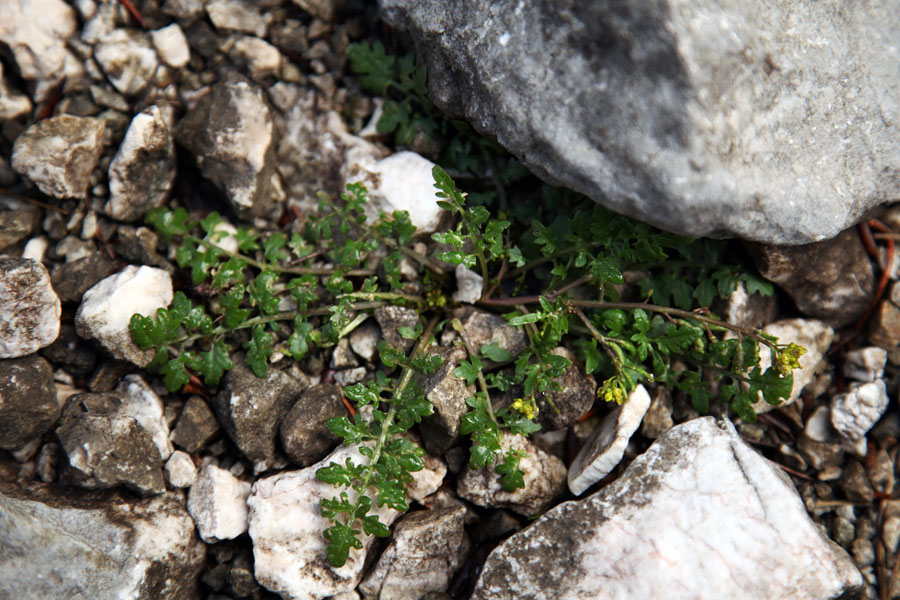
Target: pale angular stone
point(865, 364)
point(36, 32)
point(855, 412)
point(469, 285)
point(141, 403)
point(720, 118)
point(128, 59)
point(29, 308)
point(59, 546)
point(423, 555)
point(544, 475)
point(606, 447)
point(231, 133)
point(180, 470)
point(818, 426)
point(262, 58)
point(106, 309)
point(143, 170)
point(236, 15)
point(59, 153)
point(813, 335)
point(673, 526)
point(402, 181)
point(13, 104)
point(286, 529)
point(171, 45)
point(217, 502)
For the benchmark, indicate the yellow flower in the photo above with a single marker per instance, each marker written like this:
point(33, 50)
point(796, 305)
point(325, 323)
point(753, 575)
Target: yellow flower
point(528, 408)
point(788, 358)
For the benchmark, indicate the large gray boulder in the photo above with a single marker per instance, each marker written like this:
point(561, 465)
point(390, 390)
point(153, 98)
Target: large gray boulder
point(777, 122)
point(700, 515)
point(66, 544)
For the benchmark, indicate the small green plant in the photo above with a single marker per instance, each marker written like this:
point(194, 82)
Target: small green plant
point(558, 278)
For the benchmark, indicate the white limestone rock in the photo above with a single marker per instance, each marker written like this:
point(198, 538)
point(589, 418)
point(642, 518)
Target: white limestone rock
point(236, 15)
point(402, 181)
point(143, 170)
point(58, 546)
point(262, 58)
point(364, 339)
point(180, 470)
point(217, 502)
point(36, 31)
point(106, 309)
point(29, 308)
point(818, 425)
point(142, 403)
point(59, 153)
point(855, 412)
point(700, 515)
point(13, 104)
point(606, 446)
point(469, 285)
point(815, 336)
point(544, 475)
point(128, 59)
point(865, 364)
point(286, 529)
point(171, 45)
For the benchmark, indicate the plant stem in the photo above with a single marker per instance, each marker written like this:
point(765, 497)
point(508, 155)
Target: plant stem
point(264, 266)
point(405, 378)
point(482, 382)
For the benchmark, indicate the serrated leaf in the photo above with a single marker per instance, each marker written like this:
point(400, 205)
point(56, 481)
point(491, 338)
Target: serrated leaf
point(262, 291)
point(175, 374)
point(213, 363)
point(341, 538)
point(259, 349)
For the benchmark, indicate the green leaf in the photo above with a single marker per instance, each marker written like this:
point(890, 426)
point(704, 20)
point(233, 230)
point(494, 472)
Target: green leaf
point(519, 320)
point(341, 538)
point(495, 353)
point(468, 370)
point(168, 223)
point(372, 526)
point(230, 303)
point(175, 375)
point(375, 67)
point(259, 349)
point(262, 291)
point(212, 364)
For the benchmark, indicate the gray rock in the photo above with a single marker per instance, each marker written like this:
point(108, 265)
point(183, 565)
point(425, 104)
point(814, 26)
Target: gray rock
point(563, 407)
point(29, 308)
point(304, 436)
point(855, 412)
point(701, 118)
point(28, 405)
point(854, 482)
point(865, 364)
point(327, 10)
point(423, 555)
point(141, 403)
point(447, 395)
point(342, 357)
point(480, 328)
point(143, 170)
point(259, 57)
point(106, 309)
point(36, 32)
point(47, 461)
point(250, 410)
point(391, 319)
point(15, 225)
point(196, 426)
point(128, 60)
point(831, 280)
point(72, 279)
point(545, 480)
point(59, 153)
point(138, 246)
point(658, 419)
point(59, 544)
point(884, 329)
point(107, 447)
point(747, 310)
point(604, 450)
point(670, 526)
point(231, 135)
point(171, 45)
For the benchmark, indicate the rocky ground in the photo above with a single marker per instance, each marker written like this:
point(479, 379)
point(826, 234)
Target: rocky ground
point(111, 486)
